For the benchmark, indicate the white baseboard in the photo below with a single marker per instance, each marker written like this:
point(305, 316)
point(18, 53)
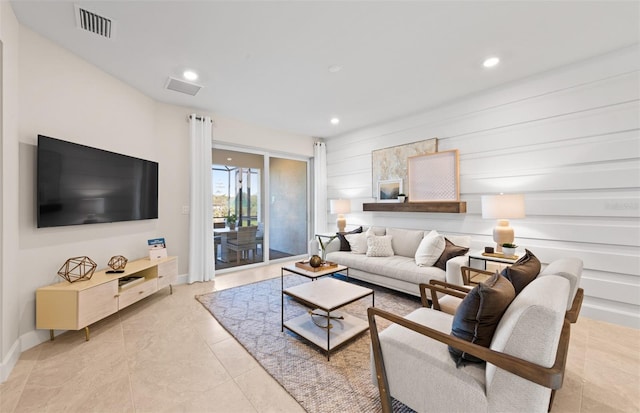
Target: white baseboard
point(182, 279)
point(9, 362)
point(23, 343)
point(610, 316)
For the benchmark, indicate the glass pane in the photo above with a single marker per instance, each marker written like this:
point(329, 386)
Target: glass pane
point(237, 208)
point(288, 207)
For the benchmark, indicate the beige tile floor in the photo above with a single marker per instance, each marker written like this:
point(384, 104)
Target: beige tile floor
point(168, 354)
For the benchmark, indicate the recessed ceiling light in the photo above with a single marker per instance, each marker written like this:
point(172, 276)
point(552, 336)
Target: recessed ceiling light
point(491, 62)
point(335, 121)
point(229, 159)
point(190, 75)
point(334, 68)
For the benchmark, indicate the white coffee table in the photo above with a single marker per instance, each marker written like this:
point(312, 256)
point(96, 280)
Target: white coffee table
point(326, 295)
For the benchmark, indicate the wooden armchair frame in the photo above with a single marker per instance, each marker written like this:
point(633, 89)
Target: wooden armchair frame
point(551, 377)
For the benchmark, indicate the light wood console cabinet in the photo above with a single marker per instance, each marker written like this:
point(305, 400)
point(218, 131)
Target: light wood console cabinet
point(74, 306)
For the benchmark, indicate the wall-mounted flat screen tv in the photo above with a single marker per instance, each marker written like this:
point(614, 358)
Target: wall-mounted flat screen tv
point(77, 184)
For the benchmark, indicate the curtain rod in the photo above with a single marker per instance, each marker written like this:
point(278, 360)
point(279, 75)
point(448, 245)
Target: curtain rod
point(198, 118)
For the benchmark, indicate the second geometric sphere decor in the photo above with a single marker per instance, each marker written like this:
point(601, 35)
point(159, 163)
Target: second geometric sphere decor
point(77, 268)
point(118, 262)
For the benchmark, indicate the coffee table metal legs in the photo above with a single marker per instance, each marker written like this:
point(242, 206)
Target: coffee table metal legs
point(330, 318)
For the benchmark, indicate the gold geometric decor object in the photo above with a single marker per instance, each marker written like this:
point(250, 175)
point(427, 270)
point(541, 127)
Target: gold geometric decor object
point(77, 269)
point(117, 262)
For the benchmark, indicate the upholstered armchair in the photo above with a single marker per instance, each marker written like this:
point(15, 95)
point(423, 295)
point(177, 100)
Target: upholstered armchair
point(525, 360)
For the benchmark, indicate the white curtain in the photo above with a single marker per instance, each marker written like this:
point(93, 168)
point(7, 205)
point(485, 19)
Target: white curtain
point(201, 265)
point(320, 187)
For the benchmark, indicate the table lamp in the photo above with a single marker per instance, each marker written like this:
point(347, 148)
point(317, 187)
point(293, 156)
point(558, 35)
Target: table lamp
point(340, 207)
point(503, 207)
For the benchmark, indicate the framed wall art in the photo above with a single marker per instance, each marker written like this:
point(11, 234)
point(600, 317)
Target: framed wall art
point(434, 177)
point(391, 163)
point(388, 190)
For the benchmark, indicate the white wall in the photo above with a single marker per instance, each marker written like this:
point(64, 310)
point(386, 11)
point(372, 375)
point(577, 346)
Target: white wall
point(240, 134)
point(568, 139)
point(60, 95)
point(9, 278)
point(67, 98)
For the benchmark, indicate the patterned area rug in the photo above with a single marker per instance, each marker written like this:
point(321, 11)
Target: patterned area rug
point(251, 313)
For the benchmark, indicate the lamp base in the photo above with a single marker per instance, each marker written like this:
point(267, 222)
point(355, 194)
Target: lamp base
point(341, 222)
point(502, 234)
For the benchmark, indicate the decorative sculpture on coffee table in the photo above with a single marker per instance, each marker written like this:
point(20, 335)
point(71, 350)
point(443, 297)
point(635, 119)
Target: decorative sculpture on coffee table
point(118, 262)
point(77, 269)
point(315, 261)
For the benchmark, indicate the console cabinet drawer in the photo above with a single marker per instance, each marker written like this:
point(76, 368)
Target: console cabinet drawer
point(167, 273)
point(137, 293)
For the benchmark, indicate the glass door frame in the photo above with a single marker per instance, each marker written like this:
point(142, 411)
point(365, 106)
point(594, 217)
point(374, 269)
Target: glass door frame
point(266, 155)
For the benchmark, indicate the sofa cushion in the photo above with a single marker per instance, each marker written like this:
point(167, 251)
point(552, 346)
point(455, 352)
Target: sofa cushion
point(344, 244)
point(430, 249)
point(380, 246)
point(357, 242)
point(396, 267)
point(405, 241)
point(378, 231)
point(479, 313)
point(523, 271)
point(450, 250)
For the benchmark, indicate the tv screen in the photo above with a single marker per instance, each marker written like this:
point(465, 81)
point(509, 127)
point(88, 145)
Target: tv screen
point(77, 184)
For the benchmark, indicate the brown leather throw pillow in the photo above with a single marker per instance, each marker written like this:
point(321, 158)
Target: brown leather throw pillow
point(523, 271)
point(479, 313)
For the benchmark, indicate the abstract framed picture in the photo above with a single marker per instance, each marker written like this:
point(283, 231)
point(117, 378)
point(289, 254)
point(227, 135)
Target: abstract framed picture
point(391, 163)
point(388, 190)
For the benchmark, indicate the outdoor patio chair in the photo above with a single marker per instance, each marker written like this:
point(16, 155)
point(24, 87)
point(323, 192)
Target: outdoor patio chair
point(244, 242)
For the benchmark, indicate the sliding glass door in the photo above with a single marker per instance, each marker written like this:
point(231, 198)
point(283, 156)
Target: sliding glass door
point(260, 207)
point(238, 200)
point(288, 208)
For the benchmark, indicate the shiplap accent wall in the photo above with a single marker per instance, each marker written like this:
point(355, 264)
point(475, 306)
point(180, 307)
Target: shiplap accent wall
point(568, 139)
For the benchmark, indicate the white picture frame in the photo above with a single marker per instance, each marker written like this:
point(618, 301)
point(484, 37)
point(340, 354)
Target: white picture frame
point(389, 189)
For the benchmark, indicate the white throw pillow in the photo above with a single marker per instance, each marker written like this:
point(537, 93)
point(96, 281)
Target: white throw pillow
point(430, 249)
point(379, 246)
point(357, 242)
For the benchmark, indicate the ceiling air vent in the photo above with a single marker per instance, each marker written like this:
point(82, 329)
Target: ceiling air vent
point(94, 23)
point(182, 86)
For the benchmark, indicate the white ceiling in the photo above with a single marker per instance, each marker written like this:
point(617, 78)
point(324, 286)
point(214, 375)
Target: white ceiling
point(266, 62)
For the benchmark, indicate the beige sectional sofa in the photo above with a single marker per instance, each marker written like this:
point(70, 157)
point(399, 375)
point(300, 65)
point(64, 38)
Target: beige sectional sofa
point(399, 271)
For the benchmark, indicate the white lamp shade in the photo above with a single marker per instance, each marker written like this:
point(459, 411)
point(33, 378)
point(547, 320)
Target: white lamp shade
point(340, 206)
point(509, 206)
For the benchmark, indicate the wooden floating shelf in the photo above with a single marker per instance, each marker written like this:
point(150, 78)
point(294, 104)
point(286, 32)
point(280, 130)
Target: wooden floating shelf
point(454, 207)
